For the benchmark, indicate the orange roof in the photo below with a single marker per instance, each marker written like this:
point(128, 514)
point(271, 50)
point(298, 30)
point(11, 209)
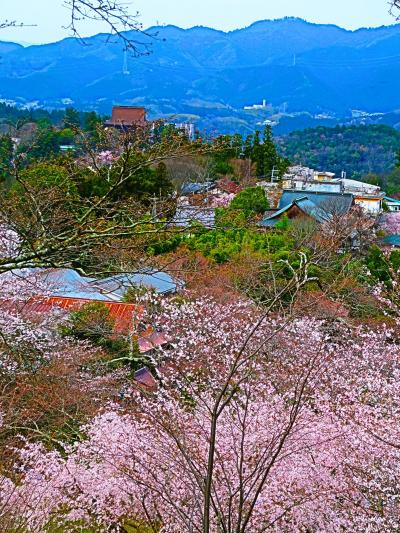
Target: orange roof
point(126, 316)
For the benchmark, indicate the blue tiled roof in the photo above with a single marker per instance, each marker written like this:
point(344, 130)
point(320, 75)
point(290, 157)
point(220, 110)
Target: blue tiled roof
point(392, 240)
point(307, 206)
point(312, 209)
point(392, 200)
point(332, 203)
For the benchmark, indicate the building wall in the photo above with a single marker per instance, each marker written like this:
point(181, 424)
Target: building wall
point(372, 206)
point(316, 186)
point(128, 115)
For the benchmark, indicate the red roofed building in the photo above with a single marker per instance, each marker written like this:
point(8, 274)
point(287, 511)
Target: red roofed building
point(126, 316)
point(228, 186)
point(126, 117)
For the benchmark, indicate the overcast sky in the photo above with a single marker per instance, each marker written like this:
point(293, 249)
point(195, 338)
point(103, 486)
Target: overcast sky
point(50, 15)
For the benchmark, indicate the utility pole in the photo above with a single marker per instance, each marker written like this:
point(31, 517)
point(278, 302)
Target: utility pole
point(154, 208)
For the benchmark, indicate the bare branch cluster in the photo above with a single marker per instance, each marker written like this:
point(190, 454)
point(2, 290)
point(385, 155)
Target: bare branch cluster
point(395, 8)
point(117, 18)
point(14, 24)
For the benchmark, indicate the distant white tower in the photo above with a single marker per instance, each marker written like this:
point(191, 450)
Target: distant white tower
point(125, 69)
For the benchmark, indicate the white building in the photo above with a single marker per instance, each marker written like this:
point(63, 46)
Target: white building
point(368, 197)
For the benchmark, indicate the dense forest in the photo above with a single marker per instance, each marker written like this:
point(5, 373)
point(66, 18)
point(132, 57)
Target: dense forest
point(358, 150)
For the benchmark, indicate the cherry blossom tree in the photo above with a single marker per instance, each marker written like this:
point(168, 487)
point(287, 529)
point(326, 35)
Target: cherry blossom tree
point(277, 424)
point(391, 223)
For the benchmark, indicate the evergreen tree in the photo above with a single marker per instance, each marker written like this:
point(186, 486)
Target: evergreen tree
point(258, 154)
point(237, 145)
point(398, 159)
point(72, 118)
point(271, 159)
point(46, 143)
point(6, 156)
point(248, 147)
point(252, 201)
point(92, 120)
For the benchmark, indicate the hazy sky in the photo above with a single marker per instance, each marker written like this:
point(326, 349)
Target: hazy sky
point(50, 15)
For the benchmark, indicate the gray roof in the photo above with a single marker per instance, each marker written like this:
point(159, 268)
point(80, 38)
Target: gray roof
point(68, 283)
point(194, 188)
point(307, 206)
point(187, 215)
point(65, 282)
point(160, 282)
point(332, 203)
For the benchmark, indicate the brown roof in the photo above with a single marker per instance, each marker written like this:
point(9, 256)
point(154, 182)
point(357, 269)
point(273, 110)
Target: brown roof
point(145, 379)
point(150, 341)
point(229, 186)
point(127, 115)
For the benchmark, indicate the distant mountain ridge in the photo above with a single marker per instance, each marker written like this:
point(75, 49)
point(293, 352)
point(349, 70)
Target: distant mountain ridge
point(208, 76)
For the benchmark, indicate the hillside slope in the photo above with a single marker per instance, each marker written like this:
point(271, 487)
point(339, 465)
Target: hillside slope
point(357, 150)
point(209, 75)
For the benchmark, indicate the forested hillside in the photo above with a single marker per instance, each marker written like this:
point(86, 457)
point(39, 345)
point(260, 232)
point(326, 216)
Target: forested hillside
point(359, 150)
point(309, 74)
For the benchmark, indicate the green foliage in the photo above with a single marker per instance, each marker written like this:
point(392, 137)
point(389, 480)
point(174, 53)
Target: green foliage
point(143, 183)
point(252, 201)
point(389, 181)
point(46, 175)
point(6, 156)
point(46, 144)
point(230, 218)
point(223, 245)
point(260, 150)
point(66, 136)
point(91, 123)
point(283, 223)
point(378, 265)
point(72, 118)
point(395, 260)
point(357, 149)
point(398, 158)
point(91, 322)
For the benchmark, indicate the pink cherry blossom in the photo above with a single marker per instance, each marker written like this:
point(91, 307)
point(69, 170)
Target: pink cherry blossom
point(307, 439)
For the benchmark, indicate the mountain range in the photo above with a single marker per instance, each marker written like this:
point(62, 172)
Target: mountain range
point(308, 74)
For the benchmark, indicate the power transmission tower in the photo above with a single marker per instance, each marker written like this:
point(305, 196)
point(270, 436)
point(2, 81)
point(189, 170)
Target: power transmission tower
point(125, 69)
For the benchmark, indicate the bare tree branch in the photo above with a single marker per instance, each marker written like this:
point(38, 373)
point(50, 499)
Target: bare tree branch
point(116, 16)
point(395, 8)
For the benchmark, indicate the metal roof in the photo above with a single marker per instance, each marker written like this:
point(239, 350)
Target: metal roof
point(65, 282)
point(126, 316)
point(145, 378)
point(332, 203)
point(392, 200)
point(194, 188)
point(305, 205)
point(392, 240)
point(187, 215)
point(160, 282)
